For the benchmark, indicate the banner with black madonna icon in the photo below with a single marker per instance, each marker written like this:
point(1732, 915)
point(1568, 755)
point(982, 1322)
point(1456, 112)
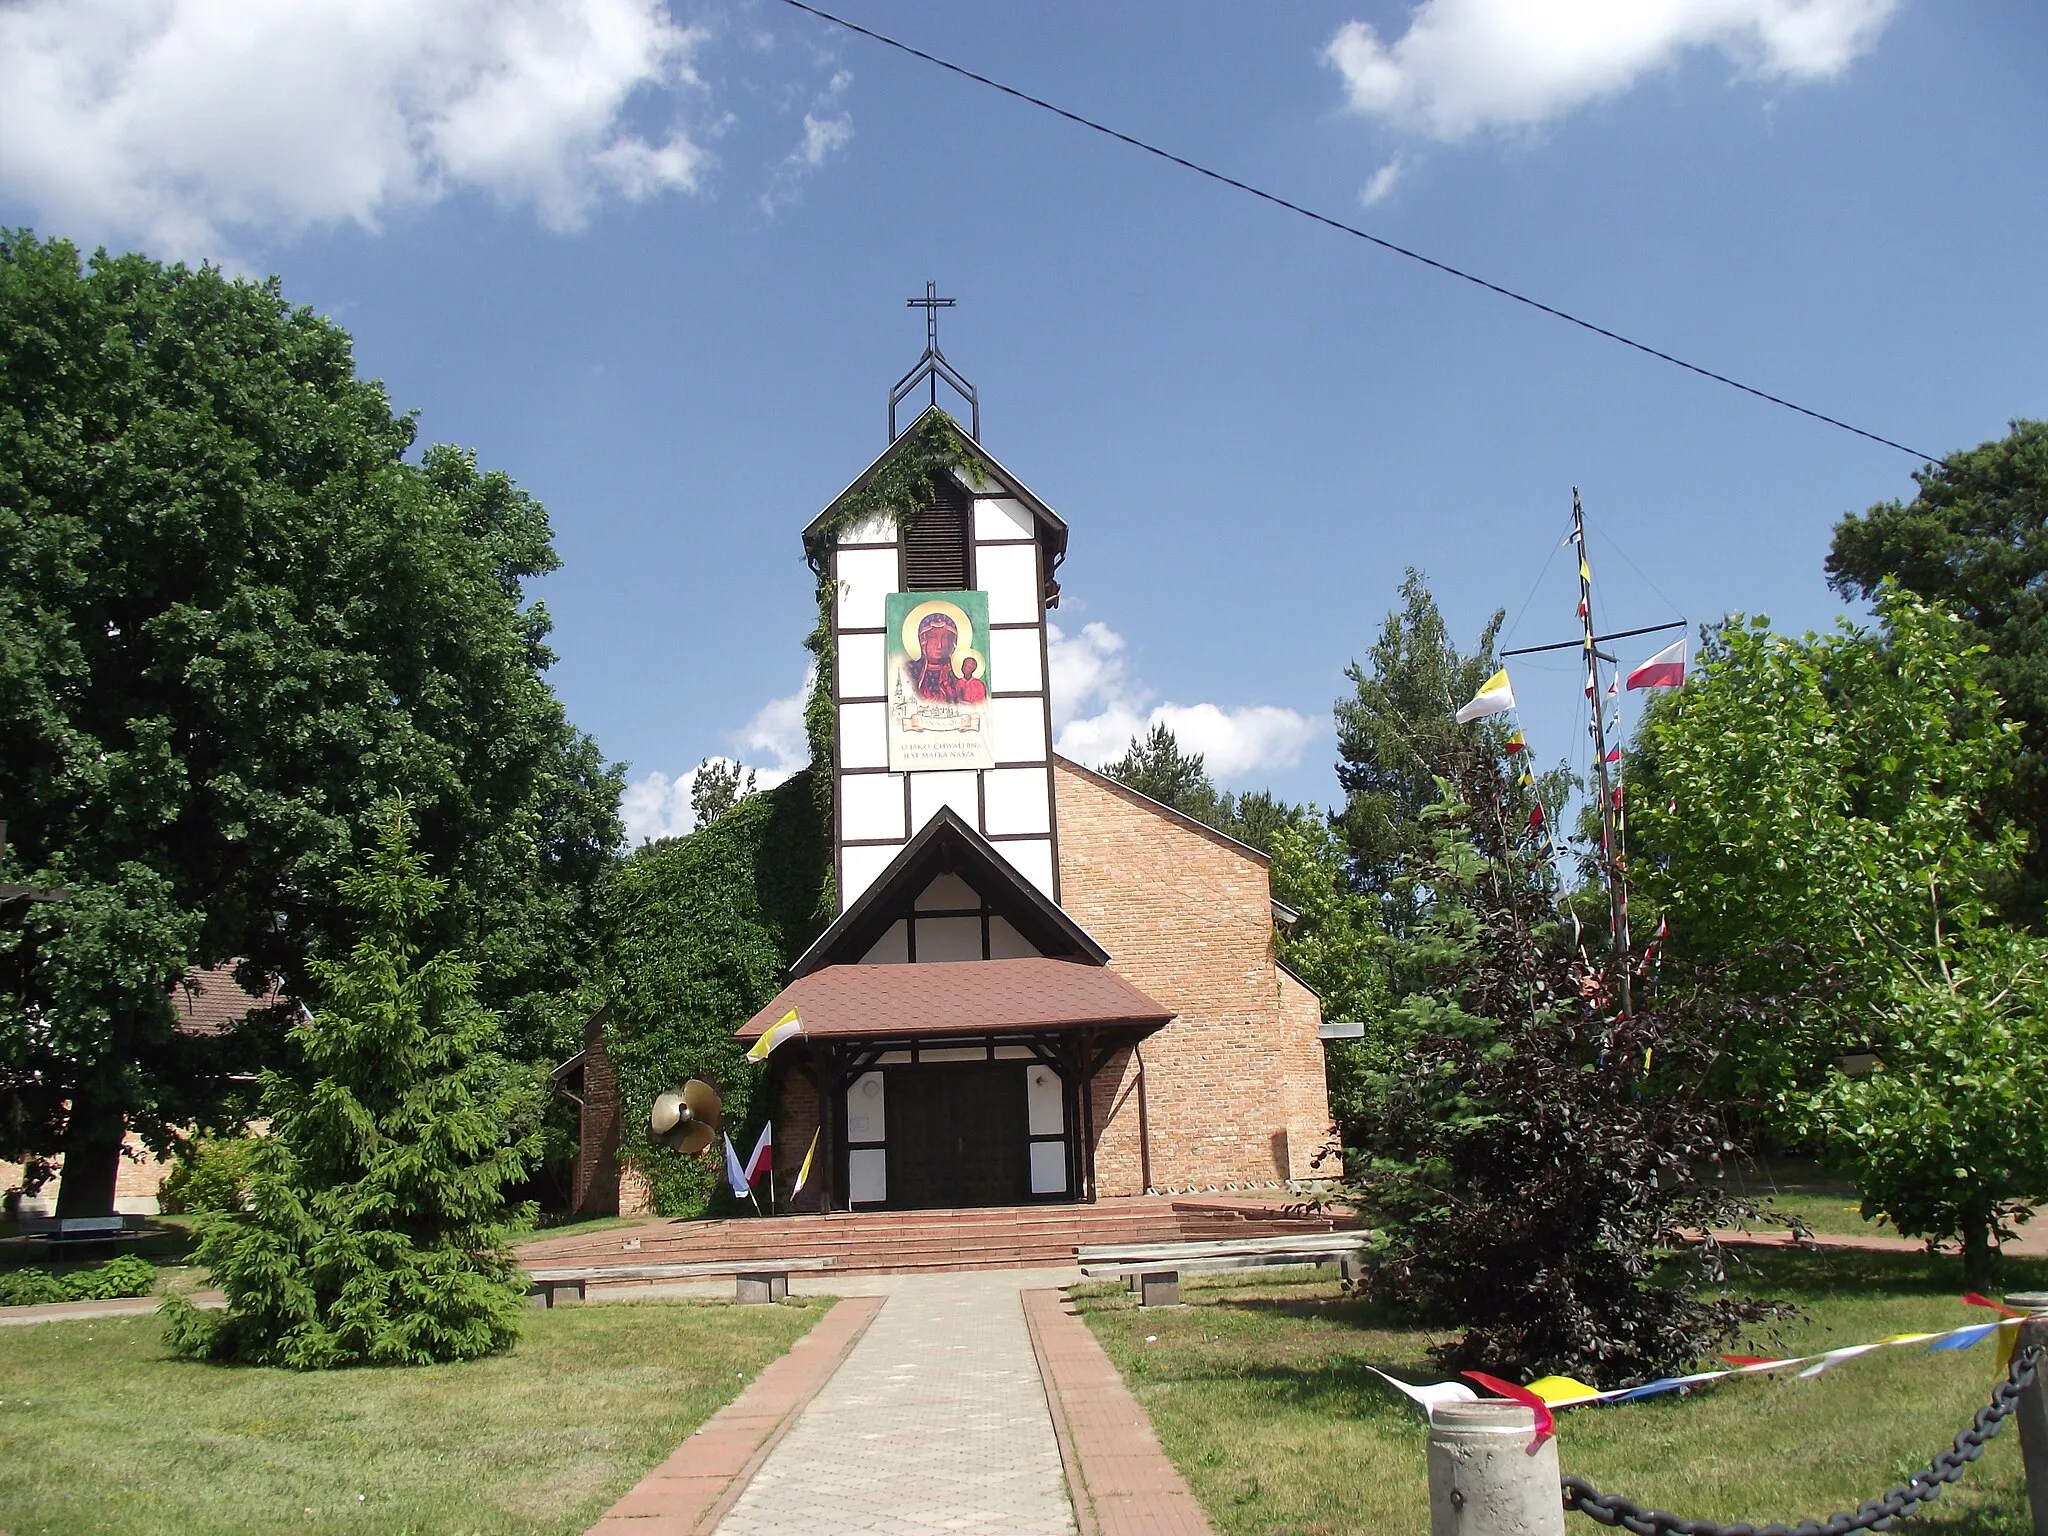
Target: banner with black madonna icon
point(939, 683)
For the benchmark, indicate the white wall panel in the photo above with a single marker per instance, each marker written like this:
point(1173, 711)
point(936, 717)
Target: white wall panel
point(1013, 660)
point(865, 576)
point(1048, 1167)
point(1003, 519)
point(1018, 800)
point(864, 735)
point(1045, 1101)
point(948, 893)
point(858, 869)
point(1017, 730)
point(942, 939)
point(862, 673)
point(1006, 943)
point(867, 1108)
point(892, 948)
point(867, 1176)
point(871, 805)
point(880, 528)
point(929, 791)
point(1030, 858)
point(1009, 574)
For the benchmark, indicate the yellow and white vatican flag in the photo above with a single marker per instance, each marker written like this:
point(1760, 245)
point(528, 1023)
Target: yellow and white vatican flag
point(803, 1174)
point(786, 1028)
point(1495, 698)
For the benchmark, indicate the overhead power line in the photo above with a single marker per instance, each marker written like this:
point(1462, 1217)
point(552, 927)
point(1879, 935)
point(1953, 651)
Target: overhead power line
point(1353, 230)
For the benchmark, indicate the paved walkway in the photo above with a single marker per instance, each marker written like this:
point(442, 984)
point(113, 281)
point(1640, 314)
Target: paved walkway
point(937, 1423)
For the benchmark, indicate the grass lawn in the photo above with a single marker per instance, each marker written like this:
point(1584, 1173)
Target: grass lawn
point(106, 1433)
point(1263, 1400)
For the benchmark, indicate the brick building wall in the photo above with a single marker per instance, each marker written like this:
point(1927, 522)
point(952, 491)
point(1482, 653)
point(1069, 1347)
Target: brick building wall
point(1233, 1090)
point(595, 1188)
point(796, 1117)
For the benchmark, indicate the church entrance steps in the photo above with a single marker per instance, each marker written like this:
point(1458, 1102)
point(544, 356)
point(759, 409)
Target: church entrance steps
point(892, 1242)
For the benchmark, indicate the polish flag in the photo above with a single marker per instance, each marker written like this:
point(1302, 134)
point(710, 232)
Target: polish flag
point(764, 1154)
point(1666, 669)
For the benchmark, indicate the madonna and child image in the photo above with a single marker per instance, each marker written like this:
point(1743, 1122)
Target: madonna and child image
point(938, 680)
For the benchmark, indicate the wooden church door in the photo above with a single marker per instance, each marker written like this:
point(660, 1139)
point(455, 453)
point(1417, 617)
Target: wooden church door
point(958, 1135)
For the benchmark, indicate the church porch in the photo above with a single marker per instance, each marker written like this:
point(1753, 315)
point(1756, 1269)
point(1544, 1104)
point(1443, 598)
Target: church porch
point(948, 1086)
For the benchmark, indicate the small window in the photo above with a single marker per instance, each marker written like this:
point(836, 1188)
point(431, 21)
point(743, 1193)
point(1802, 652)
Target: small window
point(936, 544)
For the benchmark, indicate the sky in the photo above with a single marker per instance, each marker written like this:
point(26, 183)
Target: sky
point(651, 260)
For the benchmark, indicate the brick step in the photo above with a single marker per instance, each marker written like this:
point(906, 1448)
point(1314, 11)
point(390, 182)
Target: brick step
point(898, 1242)
point(776, 1237)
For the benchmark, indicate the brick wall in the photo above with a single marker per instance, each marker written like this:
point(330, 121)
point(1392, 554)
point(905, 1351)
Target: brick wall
point(595, 1191)
point(796, 1117)
point(1232, 1091)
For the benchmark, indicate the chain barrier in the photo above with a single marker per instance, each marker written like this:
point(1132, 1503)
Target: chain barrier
point(1871, 1515)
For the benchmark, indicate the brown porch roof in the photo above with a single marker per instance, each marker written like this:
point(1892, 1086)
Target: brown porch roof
point(965, 997)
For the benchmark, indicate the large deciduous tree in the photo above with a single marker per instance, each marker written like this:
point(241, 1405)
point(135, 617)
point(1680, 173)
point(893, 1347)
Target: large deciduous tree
point(1974, 541)
point(1807, 815)
point(234, 616)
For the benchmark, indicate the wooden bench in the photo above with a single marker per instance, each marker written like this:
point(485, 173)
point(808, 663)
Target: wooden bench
point(755, 1280)
point(1153, 1270)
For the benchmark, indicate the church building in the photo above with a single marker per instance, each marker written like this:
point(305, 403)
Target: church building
point(1040, 986)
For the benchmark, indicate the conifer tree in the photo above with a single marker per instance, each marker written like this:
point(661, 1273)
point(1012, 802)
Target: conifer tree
point(375, 1233)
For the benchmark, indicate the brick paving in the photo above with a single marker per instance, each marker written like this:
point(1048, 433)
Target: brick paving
point(687, 1493)
point(1120, 1479)
point(936, 1423)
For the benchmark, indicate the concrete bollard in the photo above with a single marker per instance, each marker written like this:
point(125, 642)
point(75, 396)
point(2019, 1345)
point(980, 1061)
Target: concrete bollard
point(760, 1288)
point(1159, 1288)
point(2033, 1409)
point(1482, 1479)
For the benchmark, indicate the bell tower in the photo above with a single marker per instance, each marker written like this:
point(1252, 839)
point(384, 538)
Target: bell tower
point(939, 667)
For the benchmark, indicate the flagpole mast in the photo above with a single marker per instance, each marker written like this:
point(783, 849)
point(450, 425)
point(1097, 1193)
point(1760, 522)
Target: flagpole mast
point(1610, 857)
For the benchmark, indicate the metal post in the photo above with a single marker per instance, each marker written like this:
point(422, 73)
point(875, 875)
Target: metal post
point(2033, 1409)
point(1483, 1480)
point(1610, 845)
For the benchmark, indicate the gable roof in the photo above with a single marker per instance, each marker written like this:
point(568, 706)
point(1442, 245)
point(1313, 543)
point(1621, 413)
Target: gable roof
point(1052, 528)
point(1161, 808)
point(974, 997)
point(947, 845)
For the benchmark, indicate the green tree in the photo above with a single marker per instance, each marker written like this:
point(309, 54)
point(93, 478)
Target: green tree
point(1974, 542)
point(375, 1231)
point(234, 616)
point(719, 785)
point(1946, 1138)
point(1337, 945)
point(1531, 1159)
point(1157, 766)
point(1805, 813)
point(1396, 735)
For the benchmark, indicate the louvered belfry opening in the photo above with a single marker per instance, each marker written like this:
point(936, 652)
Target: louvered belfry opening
point(936, 545)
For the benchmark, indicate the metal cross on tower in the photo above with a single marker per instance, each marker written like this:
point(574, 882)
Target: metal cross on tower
point(933, 366)
point(931, 304)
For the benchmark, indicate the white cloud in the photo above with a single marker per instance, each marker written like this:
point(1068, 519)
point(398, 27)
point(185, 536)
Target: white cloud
point(1467, 65)
point(1381, 186)
point(1097, 709)
point(824, 136)
point(179, 120)
point(773, 745)
point(777, 731)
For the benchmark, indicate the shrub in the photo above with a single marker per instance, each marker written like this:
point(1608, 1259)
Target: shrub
point(212, 1174)
point(375, 1232)
point(126, 1275)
